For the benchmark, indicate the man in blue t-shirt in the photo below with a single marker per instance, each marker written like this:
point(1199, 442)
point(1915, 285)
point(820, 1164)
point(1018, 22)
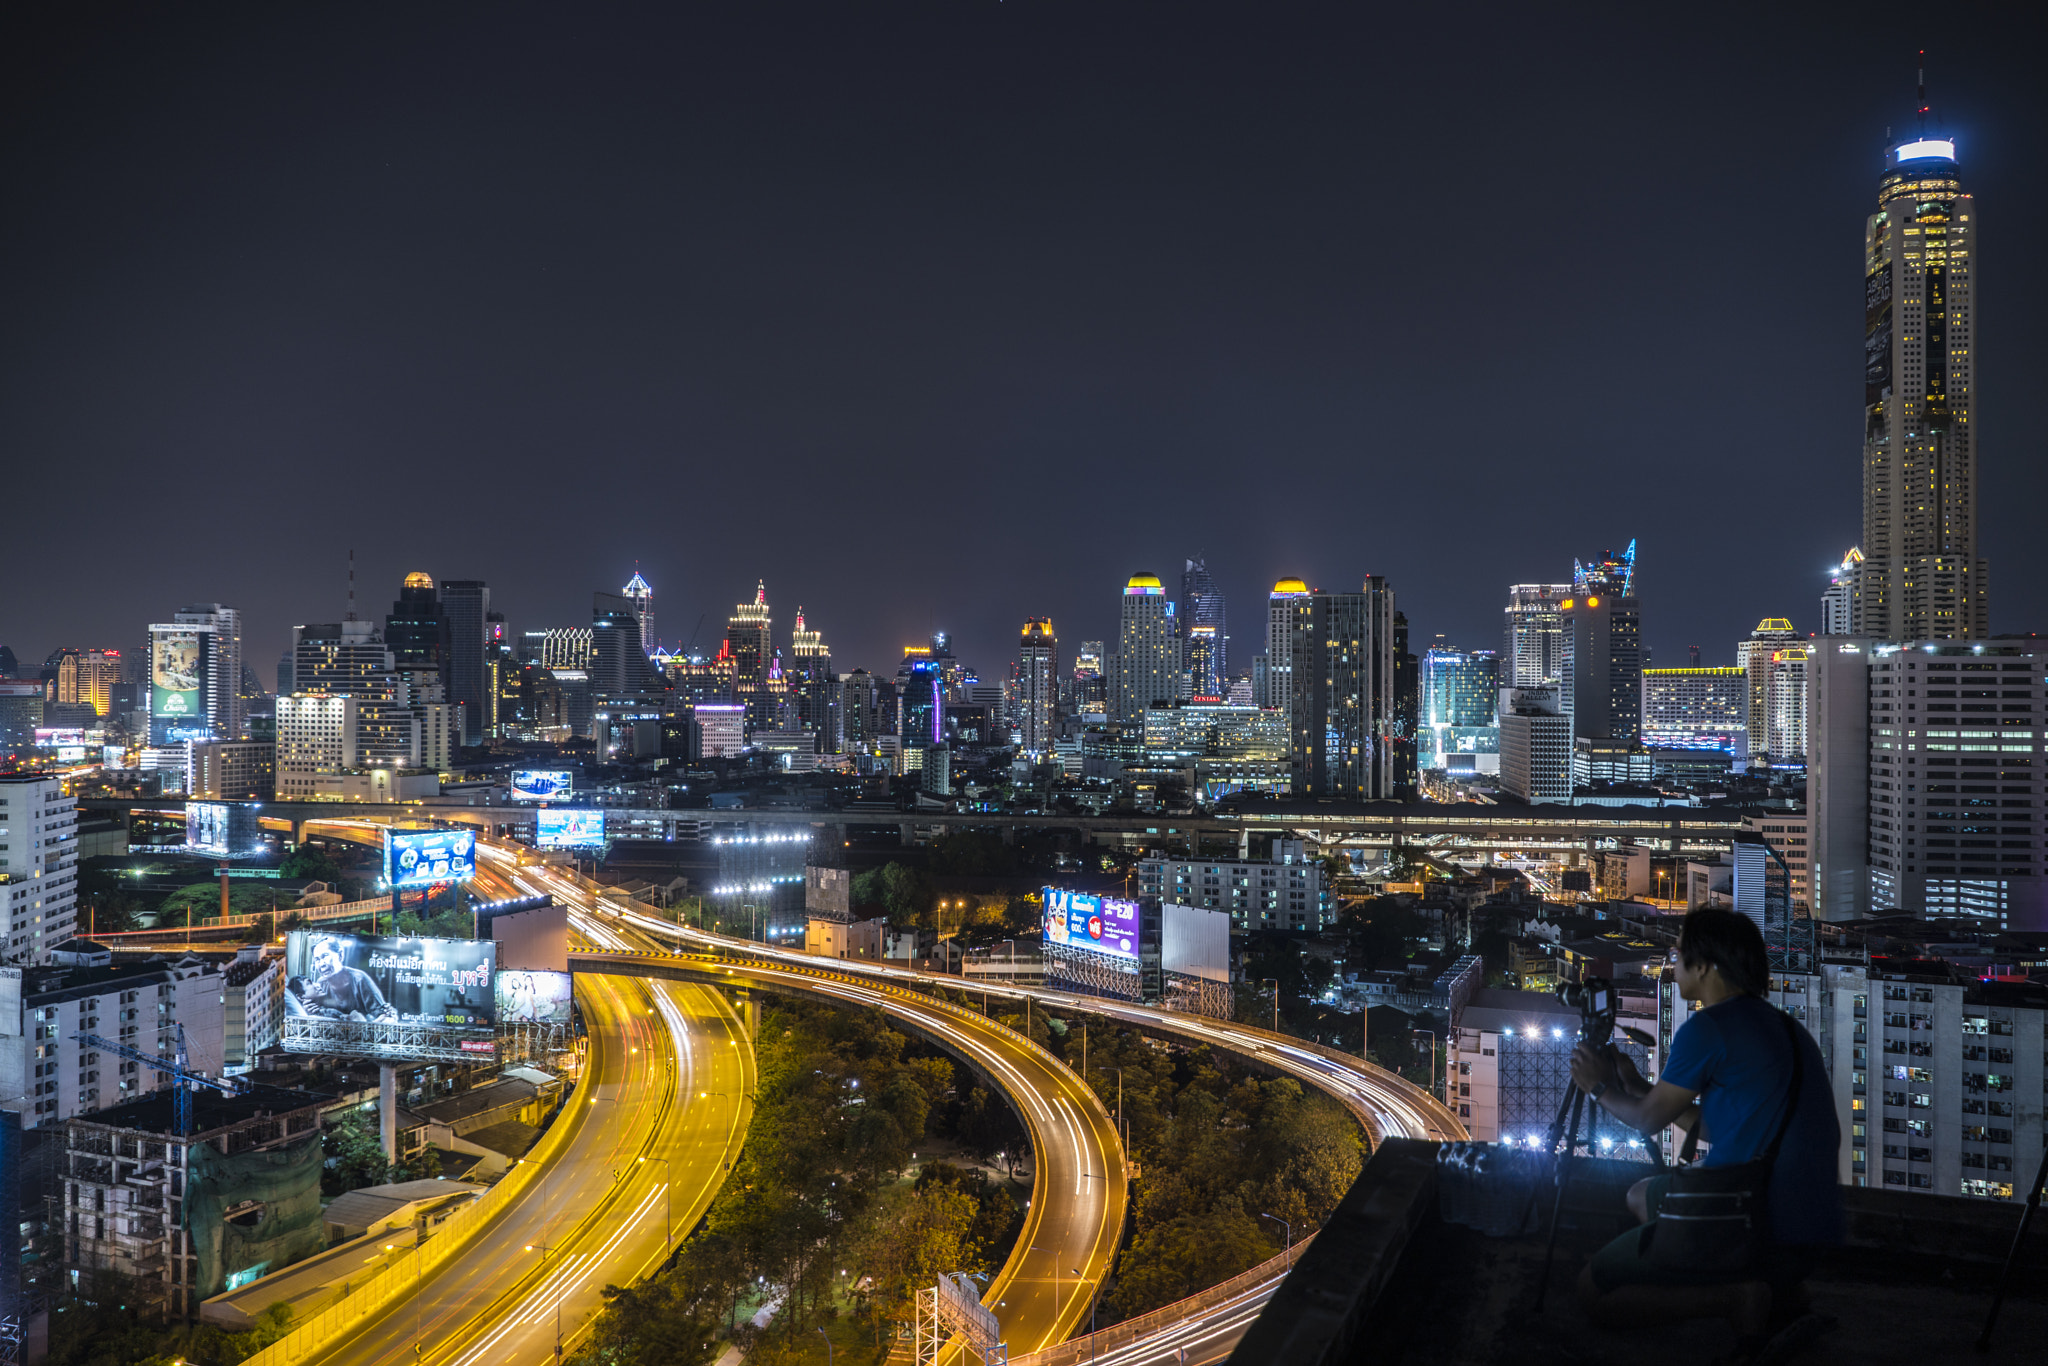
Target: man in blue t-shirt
point(1727, 1079)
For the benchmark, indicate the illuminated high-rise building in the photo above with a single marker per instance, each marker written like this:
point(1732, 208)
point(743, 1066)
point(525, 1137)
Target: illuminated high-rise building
point(1201, 649)
point(87, 678)
point(1600, 665)
point(468, 604)
point(642, 598)
point(1922, 577)
point(748, 643)
point(1838, 603)
point(417, 634)
point(1202, 606)
point(224, 678)
point(1350, 724)
point(1147, 653)
point(1038, 679)
point(814, 684)
point(1279, 691)
point(1460, 701)
point(1532, 655)
point(1754, 658)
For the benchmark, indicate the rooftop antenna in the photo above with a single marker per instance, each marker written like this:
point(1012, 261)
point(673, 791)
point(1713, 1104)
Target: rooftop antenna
point(351, 584)
point(1922, 73)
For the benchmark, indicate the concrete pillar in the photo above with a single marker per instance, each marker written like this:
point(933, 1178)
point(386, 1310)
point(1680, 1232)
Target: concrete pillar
point(387, 1109)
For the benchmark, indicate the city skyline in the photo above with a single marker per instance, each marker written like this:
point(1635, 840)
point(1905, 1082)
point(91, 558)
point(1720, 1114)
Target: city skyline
point(250, 342)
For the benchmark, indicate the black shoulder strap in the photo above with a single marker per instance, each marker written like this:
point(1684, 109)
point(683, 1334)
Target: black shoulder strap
point(1770, 1157)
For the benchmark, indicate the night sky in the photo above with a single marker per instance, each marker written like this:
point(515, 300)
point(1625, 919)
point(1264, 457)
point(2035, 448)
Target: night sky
point(948, 315)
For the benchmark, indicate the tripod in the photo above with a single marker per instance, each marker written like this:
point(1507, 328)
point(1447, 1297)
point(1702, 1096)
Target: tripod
point(2019, 1236)
point(1565, 1129)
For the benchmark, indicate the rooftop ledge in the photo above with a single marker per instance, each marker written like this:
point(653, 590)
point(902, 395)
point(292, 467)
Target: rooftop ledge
point(1388, 1282)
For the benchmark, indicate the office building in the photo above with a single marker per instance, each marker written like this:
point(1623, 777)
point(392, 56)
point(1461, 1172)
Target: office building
point(1838, 603)
point(1460, 704)
point(1285, 891)
point(1696, 708)
point(21, 712)
point(641, 595)
point(1784, 699)
point(1924, 780)
point(183, 697)
point(468, 605)
point(1532, 651)
point(87, 678)
point(1535, 745)
point(1346, 725)
point(252, 1009)
point(1922, 577)
point(564, 647)
point(1754, 658)
point(231, 770)
point(1600, 667)
point(920, 705)
point(1279, 676)
point(140, 1004)
point(1202, 610)
point(418, 635)
point(38, 864)
point(617, 663)
point(1201, 729)
point(223, 688)
point(1148, 652)
point(1200, 650)
point(1038, 675)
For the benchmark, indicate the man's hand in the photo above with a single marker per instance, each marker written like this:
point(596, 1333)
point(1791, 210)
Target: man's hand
point(1592, 1068)
point(1627, 1077)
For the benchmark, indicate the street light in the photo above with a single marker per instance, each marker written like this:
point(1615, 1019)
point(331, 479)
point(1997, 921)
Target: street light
point(1273, 982)
point(1284, 1224)
point(668, 1199)
point(828, 1345)
point(545, 1251)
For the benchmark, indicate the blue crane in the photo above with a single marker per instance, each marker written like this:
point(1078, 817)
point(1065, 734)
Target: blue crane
point(183, 1078)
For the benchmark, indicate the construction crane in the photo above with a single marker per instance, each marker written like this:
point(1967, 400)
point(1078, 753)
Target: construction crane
point(183, 1078)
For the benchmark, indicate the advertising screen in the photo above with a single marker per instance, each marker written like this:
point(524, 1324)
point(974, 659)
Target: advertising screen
point(420, 858)
point(542, 784)
point(389, 997)
point(1101, 924)
point(533, 997)
point(560, 828)
point(177, 677)
point(1195, 942)
point(206, 828)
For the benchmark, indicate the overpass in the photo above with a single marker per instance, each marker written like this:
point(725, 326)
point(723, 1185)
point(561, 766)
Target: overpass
point(1459, 832)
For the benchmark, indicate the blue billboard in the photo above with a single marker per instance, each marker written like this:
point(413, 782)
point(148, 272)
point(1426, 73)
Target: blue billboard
point(559, 827)
point(421, 858)
point(542, 784)
point(1099, 924)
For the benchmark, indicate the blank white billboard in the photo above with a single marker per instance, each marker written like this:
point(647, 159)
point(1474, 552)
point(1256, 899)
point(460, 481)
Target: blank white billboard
point(1195, 942)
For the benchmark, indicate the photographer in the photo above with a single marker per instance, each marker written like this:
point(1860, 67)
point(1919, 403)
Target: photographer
point(1726, 1080)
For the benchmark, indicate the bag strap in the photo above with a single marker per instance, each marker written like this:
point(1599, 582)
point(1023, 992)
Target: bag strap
point(1770, 1156)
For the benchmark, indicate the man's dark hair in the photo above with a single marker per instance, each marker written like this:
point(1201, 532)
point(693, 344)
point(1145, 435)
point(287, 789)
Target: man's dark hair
point(1713, 937)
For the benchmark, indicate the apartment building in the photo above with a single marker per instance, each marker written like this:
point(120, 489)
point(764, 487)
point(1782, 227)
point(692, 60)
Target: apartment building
point(38, 865)
point(1286, 892)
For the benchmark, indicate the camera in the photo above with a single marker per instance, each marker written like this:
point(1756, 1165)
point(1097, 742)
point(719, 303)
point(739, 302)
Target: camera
point(1594, 1000)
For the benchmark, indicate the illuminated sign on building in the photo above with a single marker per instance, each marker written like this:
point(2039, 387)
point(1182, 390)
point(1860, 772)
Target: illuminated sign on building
point(565, 828)
point(542, 784)
point(421, 858)
point(390, 997)
point(1099, 924)
point(1927, 147)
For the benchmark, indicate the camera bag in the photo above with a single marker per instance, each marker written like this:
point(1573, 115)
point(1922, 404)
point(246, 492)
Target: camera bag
point(1718, 1219)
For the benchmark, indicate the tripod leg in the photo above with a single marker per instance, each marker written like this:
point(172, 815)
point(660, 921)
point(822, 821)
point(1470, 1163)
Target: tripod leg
point(1557, 1126)
point(2019, 1237)
point(1561, 1174)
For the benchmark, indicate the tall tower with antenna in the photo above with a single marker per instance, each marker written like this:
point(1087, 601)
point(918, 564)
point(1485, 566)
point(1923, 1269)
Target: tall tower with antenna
point(1922, 577)
point(643, 609)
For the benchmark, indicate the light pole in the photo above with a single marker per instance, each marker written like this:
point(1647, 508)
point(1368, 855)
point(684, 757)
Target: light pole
point(1284, 1224)
point(828, 1345)
point(668, 1199)
point(1273, 982)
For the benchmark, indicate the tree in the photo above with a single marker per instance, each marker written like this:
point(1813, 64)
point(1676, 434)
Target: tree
point(309, 860)
point(1173, 1260)
point(904, 894)
point(354, 1156)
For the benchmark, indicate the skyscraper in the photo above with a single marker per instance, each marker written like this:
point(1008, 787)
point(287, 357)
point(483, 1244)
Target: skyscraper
point(1202, 649)
point(1345, 721)
point(417, 633)
point(813, 681)
point(1753, 657)
point(1600, 669)
point(1148, 653)
point(467, 603)
point(1038, 681)
point(1532, 655)
point(642, 596)
point(1460, 699)
point(1201, 605)
point(224, 680)
point(1280, 644)
point(1922, 576)
point(1838, 603)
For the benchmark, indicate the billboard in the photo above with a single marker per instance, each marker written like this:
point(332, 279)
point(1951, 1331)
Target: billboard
point(563, 828)
point(1194, 942)
point(542, 784)
point(421, 858)
point(177, 676)
point(526, 997)
point(1100, 924)
point(222, 829)
point(389, 997)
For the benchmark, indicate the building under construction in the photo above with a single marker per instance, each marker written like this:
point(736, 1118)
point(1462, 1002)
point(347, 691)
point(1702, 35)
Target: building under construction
point(180, 1218)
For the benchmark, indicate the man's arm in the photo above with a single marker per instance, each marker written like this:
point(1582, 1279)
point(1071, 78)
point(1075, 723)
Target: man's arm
point(1594, 1071)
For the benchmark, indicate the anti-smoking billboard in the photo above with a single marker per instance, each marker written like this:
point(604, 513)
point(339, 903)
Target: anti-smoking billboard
point(388, 996)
